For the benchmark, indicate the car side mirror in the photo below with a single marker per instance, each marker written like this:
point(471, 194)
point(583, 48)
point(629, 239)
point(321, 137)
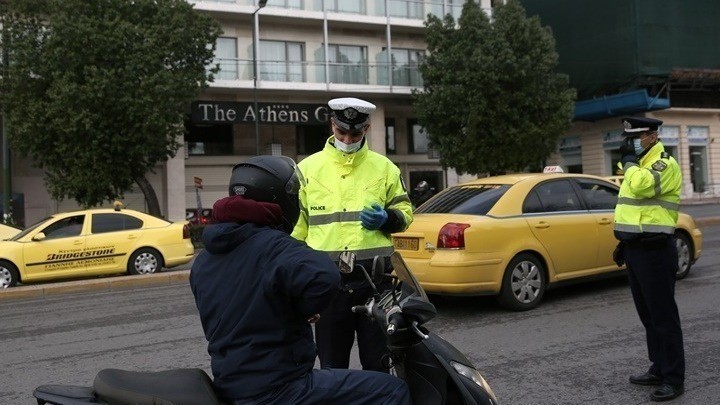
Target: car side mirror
point(40, 236)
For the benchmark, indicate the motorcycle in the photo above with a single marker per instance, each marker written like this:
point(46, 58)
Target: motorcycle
point(435, 371)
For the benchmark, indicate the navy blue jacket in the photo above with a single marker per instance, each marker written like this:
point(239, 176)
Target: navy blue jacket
point(255, 288)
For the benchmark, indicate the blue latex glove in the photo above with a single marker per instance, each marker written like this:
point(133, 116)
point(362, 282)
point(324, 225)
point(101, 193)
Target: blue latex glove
point(373, 218)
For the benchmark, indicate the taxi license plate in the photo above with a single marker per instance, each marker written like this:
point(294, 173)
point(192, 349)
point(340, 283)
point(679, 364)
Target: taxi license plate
point(406, 243)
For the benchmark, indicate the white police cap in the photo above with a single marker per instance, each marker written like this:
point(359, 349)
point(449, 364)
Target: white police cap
point(350, 113)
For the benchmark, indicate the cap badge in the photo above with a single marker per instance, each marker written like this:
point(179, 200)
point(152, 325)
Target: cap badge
point(239, 190)
point(627, 124)
point(350, 113)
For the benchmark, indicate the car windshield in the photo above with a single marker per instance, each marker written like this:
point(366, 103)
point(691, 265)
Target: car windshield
point(474, 199)
point(29, 229)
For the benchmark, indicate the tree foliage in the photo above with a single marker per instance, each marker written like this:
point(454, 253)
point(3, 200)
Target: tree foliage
point(96, 90)
point(492, 101)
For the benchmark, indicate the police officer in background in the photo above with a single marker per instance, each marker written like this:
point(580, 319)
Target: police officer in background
point(645, 219)
point(353, 200)
point(422, 193)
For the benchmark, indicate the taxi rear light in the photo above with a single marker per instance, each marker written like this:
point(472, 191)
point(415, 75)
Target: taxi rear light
point(452, 236)
point(186, 231)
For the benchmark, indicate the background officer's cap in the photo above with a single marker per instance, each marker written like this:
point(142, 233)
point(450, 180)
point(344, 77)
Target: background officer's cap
point(634, 126)
point(350, 113)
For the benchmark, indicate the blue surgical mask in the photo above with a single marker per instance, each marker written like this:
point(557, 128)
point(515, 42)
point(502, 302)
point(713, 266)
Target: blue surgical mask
point(348, 148)
point(638, 147)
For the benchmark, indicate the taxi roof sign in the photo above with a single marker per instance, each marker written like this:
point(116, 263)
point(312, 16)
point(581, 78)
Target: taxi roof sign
point(553, 169)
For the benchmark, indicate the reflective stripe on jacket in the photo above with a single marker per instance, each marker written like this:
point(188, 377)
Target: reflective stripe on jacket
point(338, 187)
point(649, 197)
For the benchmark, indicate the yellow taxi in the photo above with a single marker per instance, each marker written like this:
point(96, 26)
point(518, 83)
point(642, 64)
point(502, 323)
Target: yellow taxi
point(7, 231)
point(92, 243)
point(515, 235)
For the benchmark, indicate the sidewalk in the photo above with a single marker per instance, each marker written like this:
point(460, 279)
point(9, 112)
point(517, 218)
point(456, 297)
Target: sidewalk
point(110, 283)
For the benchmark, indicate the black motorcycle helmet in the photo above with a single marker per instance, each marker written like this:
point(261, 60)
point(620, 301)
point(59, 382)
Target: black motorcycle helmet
point(273, 179)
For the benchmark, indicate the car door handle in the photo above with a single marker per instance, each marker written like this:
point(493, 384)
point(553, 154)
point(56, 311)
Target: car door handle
point(132, 236)
point(542, 225)
point(77, 242)
point(604, 221)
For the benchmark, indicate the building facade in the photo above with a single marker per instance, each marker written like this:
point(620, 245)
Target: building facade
point(309, 51)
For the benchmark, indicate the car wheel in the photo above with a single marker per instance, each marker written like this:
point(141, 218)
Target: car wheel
point(523, 284)
point(145, 261)
point(9, 276)
point(682, 243)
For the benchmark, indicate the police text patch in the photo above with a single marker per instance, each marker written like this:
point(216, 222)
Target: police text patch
point(659, 165)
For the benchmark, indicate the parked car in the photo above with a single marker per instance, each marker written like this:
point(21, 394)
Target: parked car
point(191, 215)
point(91, 243)
point(516, 235)
point(617, 179)
point(7, 231)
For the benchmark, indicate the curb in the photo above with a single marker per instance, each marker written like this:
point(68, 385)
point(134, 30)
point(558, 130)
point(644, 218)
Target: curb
point(115, 283)
point(707, 221)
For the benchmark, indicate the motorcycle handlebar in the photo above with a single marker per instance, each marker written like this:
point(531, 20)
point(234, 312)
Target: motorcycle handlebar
point(358, 309)
point(394, 321)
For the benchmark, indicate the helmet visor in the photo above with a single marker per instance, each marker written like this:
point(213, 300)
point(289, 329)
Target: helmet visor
point(296, 181)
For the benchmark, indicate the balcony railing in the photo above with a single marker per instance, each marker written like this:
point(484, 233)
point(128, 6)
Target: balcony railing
point(410, 9)
point(314, 72)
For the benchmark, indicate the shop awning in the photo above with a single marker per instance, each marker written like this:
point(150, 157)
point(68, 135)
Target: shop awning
point(629, 103)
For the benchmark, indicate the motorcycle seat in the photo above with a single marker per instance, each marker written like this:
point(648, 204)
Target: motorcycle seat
point(188, 386)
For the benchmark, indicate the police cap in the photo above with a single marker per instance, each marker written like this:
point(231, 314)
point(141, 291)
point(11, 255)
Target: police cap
point(634, 126)
point(350, 113)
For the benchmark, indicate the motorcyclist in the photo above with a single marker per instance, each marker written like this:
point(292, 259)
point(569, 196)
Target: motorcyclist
point(421, 193)
point(257, 290)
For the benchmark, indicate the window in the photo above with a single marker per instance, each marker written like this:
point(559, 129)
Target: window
point(571, 153)
point(469, 199)
point(66, 227)
point(211, 140)
point(418, 137)
point(598, 196)
point(552, 196)
point(390, 146)
point(298, 4)
point(281, 61)
point(348, 64)
point(311, 138)
point(670, 137)
point(226, 57)
point(405, 9)
point(611, 145)
point(405, 66)
point(102, 223)
point(345, 6)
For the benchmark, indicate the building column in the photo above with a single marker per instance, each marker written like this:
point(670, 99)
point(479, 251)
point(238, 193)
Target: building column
point(376, 134)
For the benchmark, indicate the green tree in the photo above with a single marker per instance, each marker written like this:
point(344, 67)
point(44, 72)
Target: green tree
point(492, 101)
point(96, 91)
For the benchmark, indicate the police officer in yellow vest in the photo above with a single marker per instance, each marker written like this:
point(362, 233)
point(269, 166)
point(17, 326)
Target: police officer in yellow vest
point(645, 219)
point(353, 200)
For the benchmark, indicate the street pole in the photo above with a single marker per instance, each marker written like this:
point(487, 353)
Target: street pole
point(255, 18)
point(7, 178)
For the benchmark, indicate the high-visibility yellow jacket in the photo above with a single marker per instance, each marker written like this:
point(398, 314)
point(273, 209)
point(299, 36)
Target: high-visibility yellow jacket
point(649, 197)
point(338, 187)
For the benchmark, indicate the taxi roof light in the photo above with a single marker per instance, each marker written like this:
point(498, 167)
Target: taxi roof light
point(452, 236)
point(553, 169)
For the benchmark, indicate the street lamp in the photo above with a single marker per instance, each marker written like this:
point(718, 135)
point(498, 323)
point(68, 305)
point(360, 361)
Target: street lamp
point(260, 5)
